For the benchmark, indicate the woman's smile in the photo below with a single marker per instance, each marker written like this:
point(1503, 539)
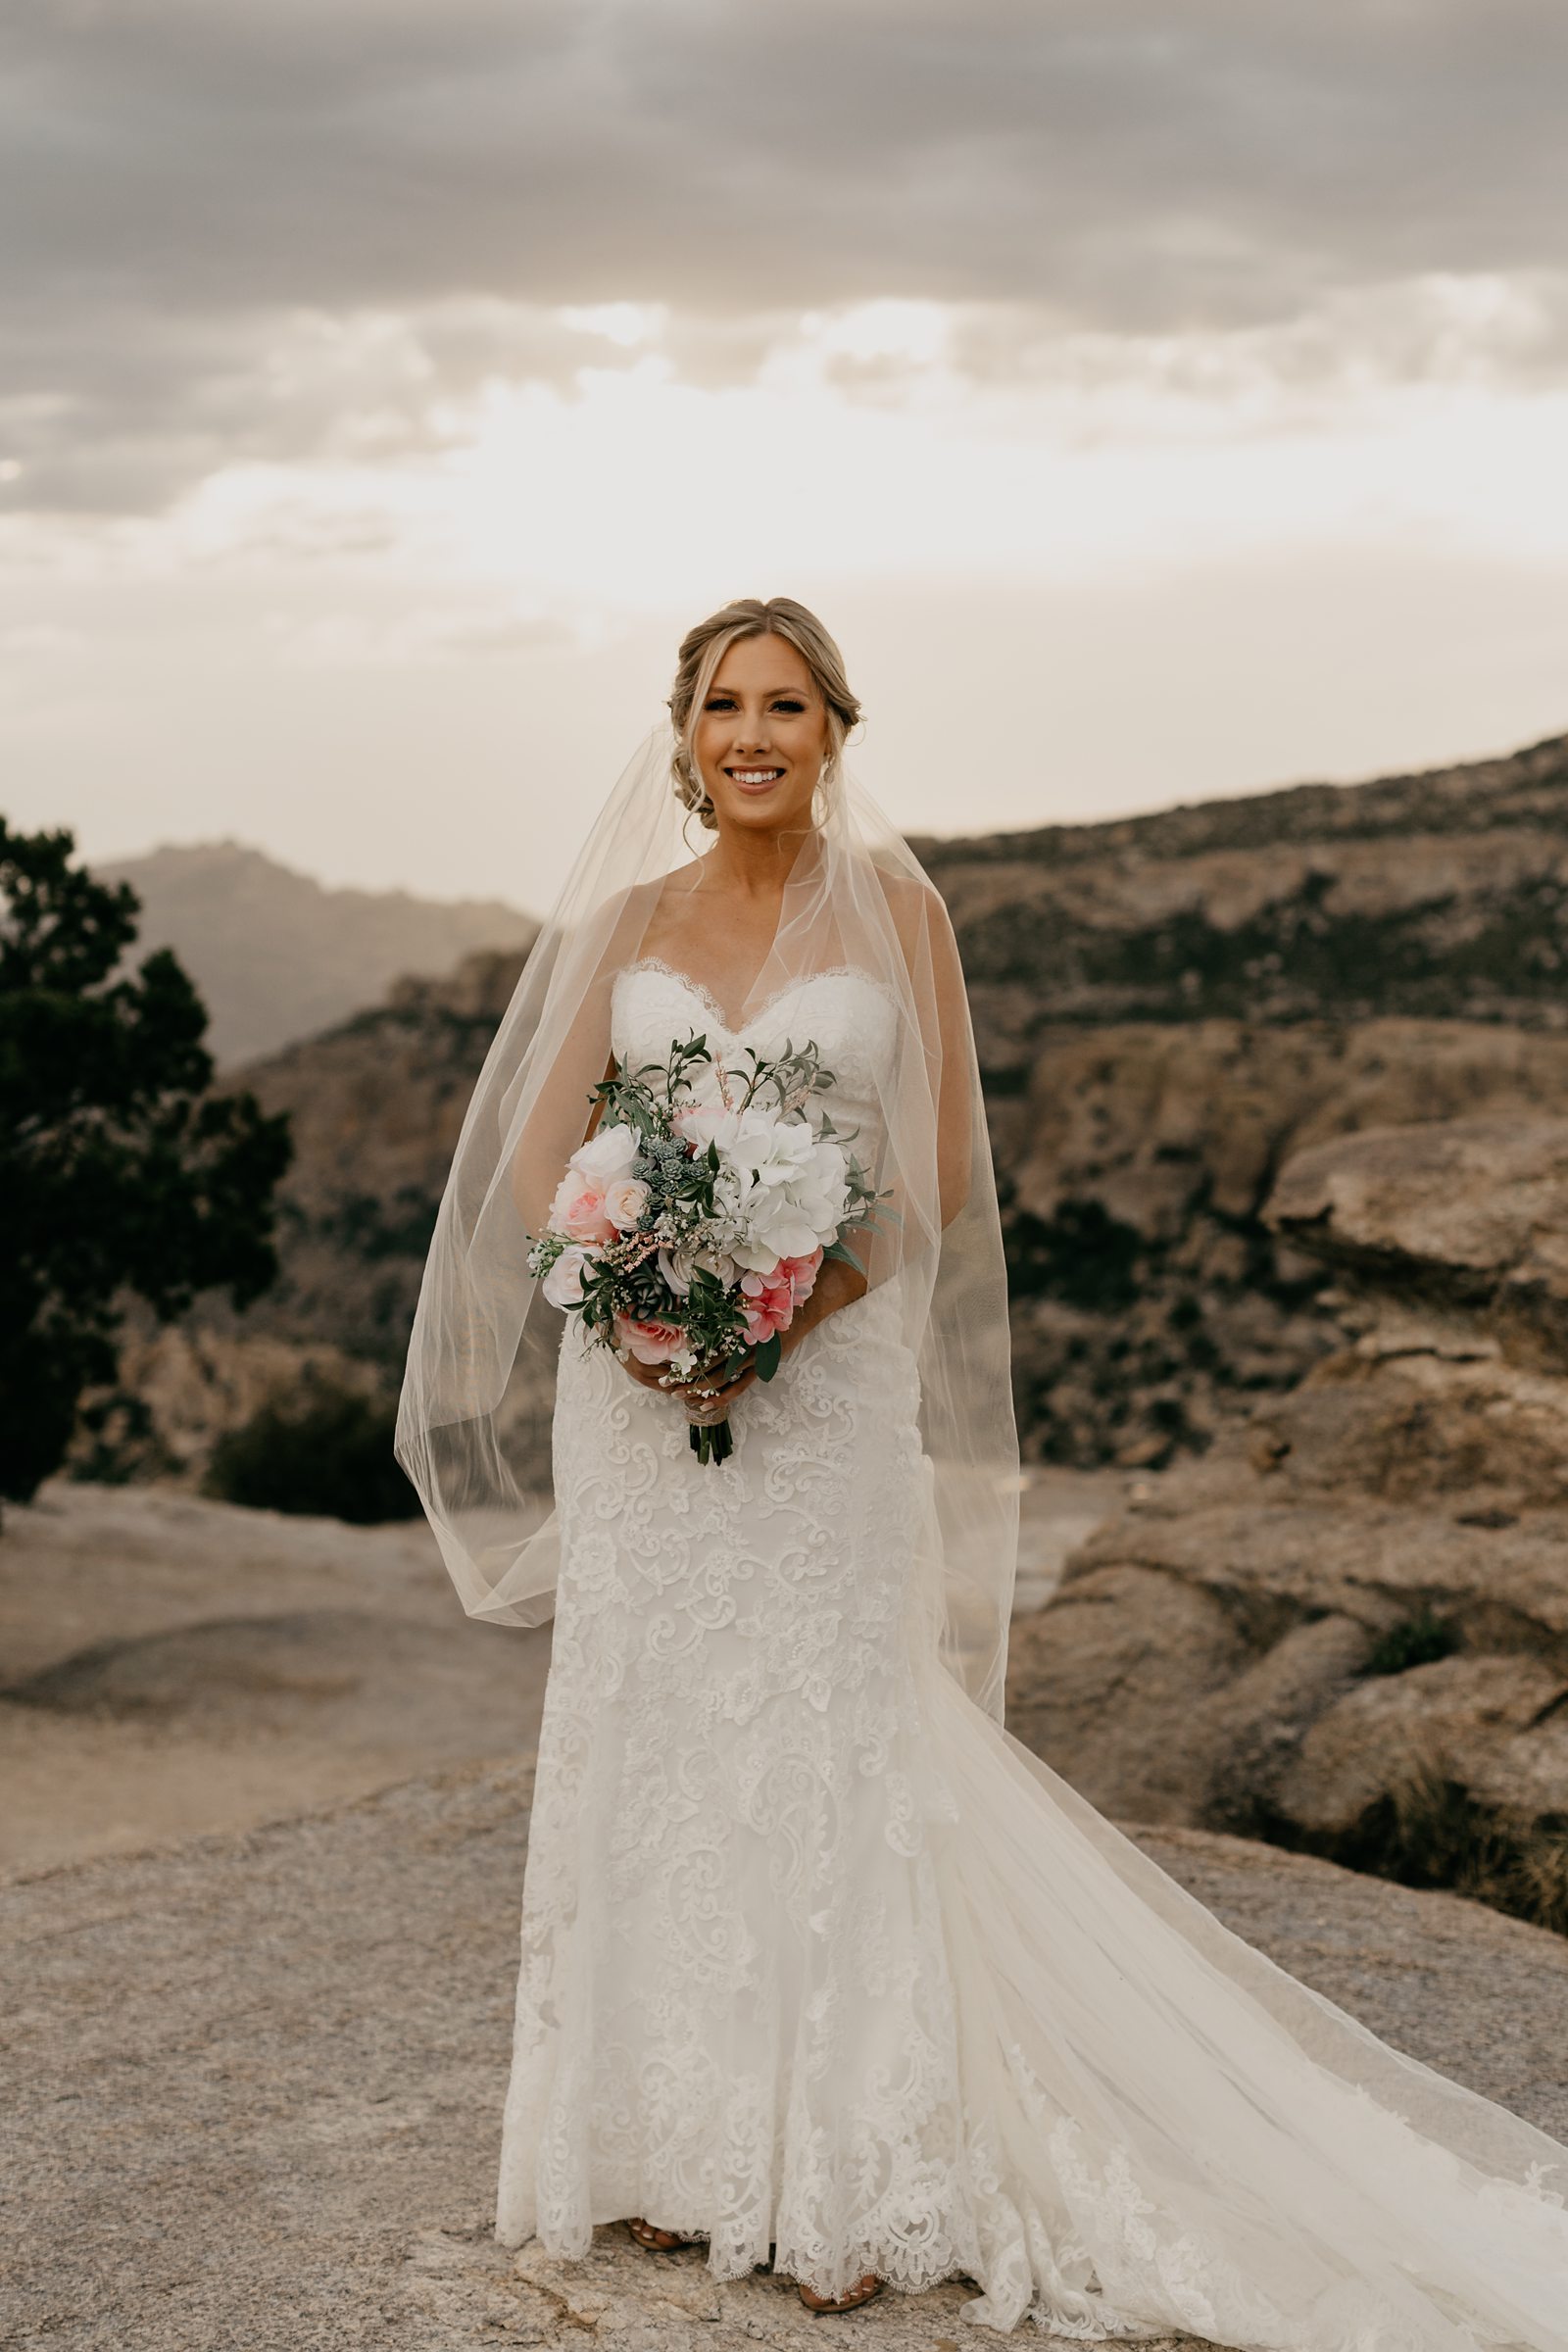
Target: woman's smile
point(760, 738)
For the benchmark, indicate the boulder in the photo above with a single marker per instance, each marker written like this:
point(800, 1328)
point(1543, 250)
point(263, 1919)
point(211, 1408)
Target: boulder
point(1472, 1213)
point(1497, 1725)
point(1345, 1626)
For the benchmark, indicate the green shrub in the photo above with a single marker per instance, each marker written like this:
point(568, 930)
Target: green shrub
point(325, 1452)
point(1418, 1640)
point(117, 1441)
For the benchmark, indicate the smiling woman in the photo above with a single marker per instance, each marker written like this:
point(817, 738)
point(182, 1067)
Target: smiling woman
point(819, 1966)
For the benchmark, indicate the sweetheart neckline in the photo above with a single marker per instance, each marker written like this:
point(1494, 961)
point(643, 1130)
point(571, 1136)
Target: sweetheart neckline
point(706, 997)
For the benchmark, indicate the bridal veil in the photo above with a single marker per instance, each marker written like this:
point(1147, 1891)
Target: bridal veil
point(482, 1355)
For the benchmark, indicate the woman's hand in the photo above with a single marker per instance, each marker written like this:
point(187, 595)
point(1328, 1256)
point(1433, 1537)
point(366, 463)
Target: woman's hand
point(708, 1398)
point(704, 1397)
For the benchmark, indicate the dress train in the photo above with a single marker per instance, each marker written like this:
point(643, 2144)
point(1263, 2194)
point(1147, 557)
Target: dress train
point(1225, 2149)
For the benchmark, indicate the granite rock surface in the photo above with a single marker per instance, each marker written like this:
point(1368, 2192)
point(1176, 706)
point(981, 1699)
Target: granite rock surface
point(255, 2084)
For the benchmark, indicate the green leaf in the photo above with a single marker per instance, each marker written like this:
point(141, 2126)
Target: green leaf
point(769, 1355)
point(844, 1255)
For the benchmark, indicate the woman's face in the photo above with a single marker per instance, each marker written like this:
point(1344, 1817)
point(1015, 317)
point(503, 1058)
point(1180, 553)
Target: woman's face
point(760, 737)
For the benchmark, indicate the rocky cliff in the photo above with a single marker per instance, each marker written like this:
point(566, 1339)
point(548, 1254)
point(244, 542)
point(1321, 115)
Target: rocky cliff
point(1442, 895)
point(1346, 1628)
point(1168, 1008)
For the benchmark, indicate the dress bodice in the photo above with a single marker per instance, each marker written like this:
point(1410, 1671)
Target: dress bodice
point(850, 1017)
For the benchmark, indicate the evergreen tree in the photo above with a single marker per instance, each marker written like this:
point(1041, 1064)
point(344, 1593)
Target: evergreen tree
point(119, 1172)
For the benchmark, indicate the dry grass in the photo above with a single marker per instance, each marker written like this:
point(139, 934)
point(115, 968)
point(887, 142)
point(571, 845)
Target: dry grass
point(1429, 1830)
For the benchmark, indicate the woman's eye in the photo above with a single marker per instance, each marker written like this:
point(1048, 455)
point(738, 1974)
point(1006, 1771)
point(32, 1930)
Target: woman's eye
point(725, 701)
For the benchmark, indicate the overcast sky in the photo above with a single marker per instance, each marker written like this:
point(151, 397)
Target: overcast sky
point(1155, 401)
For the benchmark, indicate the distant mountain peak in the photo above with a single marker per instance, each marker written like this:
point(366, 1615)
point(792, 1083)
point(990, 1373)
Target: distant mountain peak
point(278, 955)
point(173, 859)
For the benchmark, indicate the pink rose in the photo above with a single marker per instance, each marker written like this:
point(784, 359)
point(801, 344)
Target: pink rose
point(578, 1211)
point(625, 1201)
point(650, 1342)
point(769, 1303)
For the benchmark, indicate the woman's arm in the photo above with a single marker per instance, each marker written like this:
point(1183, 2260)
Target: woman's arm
point(837, 1284)
point(944, 1006)
point(563, 1114)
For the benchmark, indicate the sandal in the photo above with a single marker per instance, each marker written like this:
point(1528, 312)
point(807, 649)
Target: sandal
point(658, 2241)
point(869, 2289)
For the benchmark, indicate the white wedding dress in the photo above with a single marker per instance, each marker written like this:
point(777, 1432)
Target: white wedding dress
point(817, 1960)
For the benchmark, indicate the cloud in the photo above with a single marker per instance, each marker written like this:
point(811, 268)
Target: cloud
point(297, 230)
point(360, 639)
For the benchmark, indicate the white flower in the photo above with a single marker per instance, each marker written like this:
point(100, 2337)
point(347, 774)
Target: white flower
point(607, 1155)
point(779, 1190)
point(563, 1285)
point(626, 1198)
point(793, 1194)
point(704, 1123)
point(678, 1265)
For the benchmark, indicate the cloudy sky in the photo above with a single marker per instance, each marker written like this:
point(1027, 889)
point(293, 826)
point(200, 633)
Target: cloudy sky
point(1155, 399)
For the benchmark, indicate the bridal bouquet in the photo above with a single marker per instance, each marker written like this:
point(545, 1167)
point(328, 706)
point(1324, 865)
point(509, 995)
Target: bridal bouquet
point(693, 1220)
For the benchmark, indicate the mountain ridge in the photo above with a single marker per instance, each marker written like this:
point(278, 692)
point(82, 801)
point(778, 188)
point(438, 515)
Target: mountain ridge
point(1257, 819)
point(278, 955)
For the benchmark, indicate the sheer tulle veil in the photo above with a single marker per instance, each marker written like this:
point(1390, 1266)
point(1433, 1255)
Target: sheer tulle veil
point(484, 1345)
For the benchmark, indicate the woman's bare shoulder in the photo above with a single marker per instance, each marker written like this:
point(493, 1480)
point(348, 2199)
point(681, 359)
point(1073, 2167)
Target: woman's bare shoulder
point(638, 902)
point(664, 902)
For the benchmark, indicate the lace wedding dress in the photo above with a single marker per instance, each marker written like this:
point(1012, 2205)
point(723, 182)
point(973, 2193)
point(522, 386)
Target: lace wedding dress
point(817, 1960)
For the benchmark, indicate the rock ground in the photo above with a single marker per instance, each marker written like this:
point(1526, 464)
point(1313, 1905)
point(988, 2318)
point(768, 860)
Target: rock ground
point(255, 2084)
point(171, 1666)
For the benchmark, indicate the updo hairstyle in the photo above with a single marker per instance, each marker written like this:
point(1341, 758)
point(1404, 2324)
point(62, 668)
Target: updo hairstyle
point(704, 648)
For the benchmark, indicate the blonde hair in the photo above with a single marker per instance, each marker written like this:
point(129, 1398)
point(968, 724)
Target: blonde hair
point(704, 648)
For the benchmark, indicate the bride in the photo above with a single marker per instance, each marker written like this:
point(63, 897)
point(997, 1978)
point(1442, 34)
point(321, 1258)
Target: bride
point(819, 1965)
